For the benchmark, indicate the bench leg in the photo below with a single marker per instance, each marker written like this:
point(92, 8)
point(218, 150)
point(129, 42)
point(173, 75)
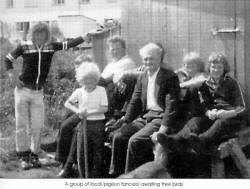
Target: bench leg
point(240, 160)
point(217, 168)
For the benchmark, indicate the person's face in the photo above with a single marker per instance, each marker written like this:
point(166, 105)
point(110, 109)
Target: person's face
point(190, 68)
point(40, 38)
point(151, 59)
point(116, 50)
point(216, 71)
point(89, 84)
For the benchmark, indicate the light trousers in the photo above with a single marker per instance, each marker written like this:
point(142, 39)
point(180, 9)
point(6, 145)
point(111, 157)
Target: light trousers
point(29, 113)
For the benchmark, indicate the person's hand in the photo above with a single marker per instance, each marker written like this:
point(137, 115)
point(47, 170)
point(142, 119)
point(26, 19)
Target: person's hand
point(14, 80)
point(119, 123)
point(121, 87)
point(212, 114)
point(82, 113)
point(154, 137)
point(88, 36)
point(224, 114)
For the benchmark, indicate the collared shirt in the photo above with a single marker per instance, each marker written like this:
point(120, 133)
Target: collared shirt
point(151, 97)
point(225, 94)
point(115, 69)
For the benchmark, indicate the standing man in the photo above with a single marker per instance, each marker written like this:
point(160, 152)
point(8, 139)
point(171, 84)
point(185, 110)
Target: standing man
point(29, 107)
point(154, 103)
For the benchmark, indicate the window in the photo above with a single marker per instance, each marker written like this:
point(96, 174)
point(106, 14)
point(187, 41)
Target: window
point(84, 1)
point(111, 1)
point(23, 26)
point(9, 3)
point(30, 3)
point(59, 2)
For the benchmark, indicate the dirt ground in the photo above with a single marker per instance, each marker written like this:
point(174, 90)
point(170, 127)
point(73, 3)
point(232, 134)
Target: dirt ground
point(10, 168)
point(10, 165)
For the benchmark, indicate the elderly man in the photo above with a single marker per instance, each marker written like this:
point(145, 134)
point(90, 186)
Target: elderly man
point(153, 104)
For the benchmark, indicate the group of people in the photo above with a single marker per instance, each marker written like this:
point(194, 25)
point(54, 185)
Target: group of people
point(138, 110)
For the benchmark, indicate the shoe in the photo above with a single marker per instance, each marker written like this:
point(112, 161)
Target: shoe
point(34, 161)
point(25, 164)
point(64, 174)
point(197, 143)
point(24, 159)
point(172, 142)
point(166, 141)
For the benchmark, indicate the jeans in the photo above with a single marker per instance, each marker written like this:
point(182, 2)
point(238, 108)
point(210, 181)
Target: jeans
point(66, 138)
point(29, 112)
point(95, 148)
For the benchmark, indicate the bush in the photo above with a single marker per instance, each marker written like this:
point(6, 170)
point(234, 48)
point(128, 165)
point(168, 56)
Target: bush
point(60, 85)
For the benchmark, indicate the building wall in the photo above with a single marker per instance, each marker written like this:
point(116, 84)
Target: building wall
point(45, 10)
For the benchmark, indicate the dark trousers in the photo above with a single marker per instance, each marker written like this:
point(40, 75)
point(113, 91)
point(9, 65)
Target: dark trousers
point(66, 138)
point(210, 130)
point(140, 146)
point(132, 146)
point(95, 148)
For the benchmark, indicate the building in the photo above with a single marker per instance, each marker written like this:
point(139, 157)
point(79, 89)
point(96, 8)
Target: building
point(73, 17)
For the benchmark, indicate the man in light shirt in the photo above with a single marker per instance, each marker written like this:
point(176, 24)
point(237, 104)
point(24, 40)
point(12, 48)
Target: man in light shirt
point(111, 77)
point(120, 62)
point(153, 104)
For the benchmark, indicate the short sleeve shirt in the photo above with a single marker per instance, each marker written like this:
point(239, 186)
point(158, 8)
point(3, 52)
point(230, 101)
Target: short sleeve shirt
point(90, 100)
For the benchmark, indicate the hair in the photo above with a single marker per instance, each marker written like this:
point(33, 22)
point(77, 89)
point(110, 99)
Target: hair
point(163, 50)
point(218, 58)
point(81, 59)
point(117, 39)
point(86, 70)
point(151, 46)
point(39, 28)
point(194, 58)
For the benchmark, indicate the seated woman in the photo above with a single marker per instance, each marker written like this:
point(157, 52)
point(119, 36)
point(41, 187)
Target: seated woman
point(223, 107)
point(191, 75)
point(88, 102)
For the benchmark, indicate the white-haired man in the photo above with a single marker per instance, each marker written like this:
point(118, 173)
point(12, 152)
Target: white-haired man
point(153, 104)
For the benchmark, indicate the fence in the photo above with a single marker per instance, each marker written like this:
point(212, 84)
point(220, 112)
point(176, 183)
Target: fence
point(100, 45)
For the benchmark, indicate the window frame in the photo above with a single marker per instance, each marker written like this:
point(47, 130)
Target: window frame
point(20, 26)
point(9, 4)
point(30, 3)
point(84, 2)
point(59, 2)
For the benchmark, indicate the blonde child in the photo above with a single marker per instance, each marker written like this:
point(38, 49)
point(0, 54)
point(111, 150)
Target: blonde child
point(90, 102)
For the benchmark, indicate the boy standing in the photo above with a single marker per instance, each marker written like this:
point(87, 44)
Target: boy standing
point(29, 107)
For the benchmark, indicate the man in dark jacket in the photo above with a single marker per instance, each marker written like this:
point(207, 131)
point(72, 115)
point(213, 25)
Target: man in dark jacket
point(154, 103)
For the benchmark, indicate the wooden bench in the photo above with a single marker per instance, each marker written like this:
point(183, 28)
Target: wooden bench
point(232, 147)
